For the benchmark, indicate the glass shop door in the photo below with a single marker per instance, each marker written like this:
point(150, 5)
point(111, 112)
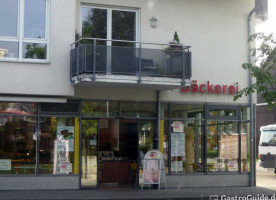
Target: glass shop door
point(89, 152)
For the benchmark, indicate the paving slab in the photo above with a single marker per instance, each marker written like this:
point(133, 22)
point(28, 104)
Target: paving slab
point(180, 193)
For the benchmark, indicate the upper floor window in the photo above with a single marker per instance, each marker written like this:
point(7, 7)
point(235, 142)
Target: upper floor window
point(110, 24)
point(24, 30)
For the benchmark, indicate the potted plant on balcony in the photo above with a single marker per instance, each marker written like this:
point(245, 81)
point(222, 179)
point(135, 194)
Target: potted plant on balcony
point(174, 45)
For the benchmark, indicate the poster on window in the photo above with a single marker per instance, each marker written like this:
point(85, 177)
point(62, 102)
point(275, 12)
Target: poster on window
point(65, 167)
point(152, 172)
point(178, 127)
point(5, 164)
point(176, 166)
point(66, 133)
point(177, 144)
point(61, 155)
point(103, 123)
point(232, 166)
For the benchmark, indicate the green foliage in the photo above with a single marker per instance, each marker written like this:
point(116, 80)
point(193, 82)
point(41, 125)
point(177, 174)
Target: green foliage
point(35, 51)
point(145, 147)
point(95, 26)
point(89, 127)
point(265, 55)
point(176, 38)
point(145, 136)
point(212, 153)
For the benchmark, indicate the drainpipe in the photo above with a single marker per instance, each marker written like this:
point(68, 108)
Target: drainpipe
point(252, 133)
point(158, 120)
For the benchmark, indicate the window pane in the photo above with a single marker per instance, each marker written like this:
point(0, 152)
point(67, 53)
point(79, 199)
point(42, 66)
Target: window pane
point(164, 110)
point(245, 147)
point(164, 139)
point(60, 107)
point(187, 111)
point(35, 18)
point(130, 109)
point(123, 25)
point(245, 113)
point(222, 146)
point(8, 49)
point(146, 142)
point(57, 146)
point(186, 147)
point(94, 23)
point(18, 108)
point(8, 18)
point(17, 144)
point(34, 51)
point(100, 108)
point(223, 112)
point(89, 153)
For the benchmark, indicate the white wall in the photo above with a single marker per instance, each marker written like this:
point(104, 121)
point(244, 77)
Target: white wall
point(46, 79)
point(216, 30)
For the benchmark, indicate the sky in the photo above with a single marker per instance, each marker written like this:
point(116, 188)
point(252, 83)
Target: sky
point(269, 26)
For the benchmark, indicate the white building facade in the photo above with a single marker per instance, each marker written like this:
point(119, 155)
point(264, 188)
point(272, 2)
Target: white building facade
point(88, 87)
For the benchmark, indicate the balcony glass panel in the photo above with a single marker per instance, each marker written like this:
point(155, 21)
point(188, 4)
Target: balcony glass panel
point(125, 60)
point(130, 60)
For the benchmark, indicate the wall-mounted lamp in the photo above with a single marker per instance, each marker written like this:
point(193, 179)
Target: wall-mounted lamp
point(153, 22)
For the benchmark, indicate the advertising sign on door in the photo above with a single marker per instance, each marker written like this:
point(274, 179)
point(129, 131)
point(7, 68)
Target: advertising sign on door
point(176, 166)
point(177, 144)
point(177, 127)
point(153, 168)
point(66, 133)
point(5, 164)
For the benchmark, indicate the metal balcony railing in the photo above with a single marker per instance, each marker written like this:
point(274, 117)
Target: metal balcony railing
point(100, 56)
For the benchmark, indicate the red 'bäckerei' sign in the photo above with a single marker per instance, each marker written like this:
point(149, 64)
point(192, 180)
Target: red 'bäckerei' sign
point(208, 88)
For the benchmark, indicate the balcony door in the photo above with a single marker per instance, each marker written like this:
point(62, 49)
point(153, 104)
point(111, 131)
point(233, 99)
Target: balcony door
point(111, 24)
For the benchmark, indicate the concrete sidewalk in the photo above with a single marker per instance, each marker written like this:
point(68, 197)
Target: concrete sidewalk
point(183, 193)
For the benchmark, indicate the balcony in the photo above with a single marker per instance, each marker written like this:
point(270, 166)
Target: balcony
point(129, 64)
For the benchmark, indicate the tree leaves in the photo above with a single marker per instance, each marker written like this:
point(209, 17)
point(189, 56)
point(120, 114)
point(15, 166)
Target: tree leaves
point(265, 56)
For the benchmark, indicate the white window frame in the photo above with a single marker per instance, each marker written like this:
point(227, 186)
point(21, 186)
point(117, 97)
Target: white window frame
point(20, 36)
point(109, 20)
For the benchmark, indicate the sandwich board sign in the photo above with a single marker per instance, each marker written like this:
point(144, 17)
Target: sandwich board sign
point(153, 169)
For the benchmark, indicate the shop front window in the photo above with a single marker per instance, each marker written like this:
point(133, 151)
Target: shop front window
point(245, 147)
point(245, 113)
point(187, 111)
point(17, 144)
point(100, 108)
point(57, 145)
point(186, 147)
point(223, 112)
point(137, 110)
point(164, 110)
point(18, 108)
point(222, 146)
point(146, 142)
point(164, 142)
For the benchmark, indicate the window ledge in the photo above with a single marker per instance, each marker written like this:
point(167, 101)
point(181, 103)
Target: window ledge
point(25, 61)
